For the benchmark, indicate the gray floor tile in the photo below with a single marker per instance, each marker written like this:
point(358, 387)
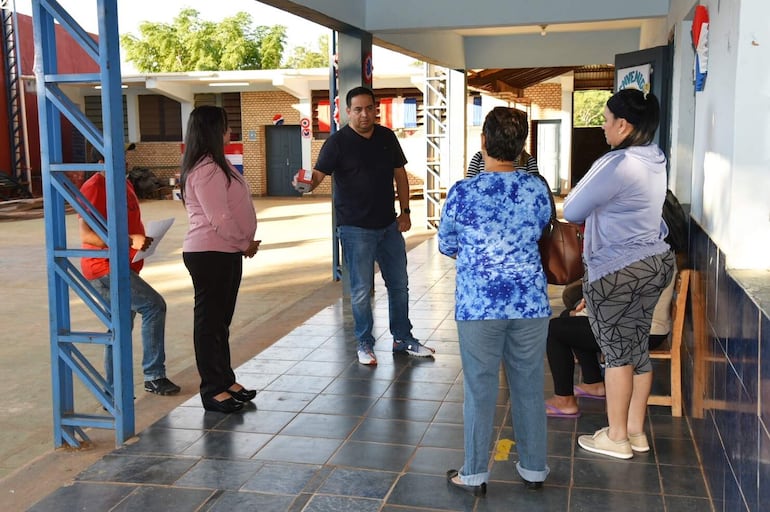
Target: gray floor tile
point(305, 450)
point(388, 457)
point(359, 483)
point(164, 499)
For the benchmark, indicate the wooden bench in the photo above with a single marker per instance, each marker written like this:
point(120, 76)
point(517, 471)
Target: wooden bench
point(672, 350)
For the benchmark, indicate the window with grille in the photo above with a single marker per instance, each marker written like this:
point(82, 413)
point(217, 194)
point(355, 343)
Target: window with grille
point(160, 119)
point(231, 102)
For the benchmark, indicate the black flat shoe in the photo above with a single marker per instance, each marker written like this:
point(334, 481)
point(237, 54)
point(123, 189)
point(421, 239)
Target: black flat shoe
point(476, 490)
point(226, 406)
point(243, 394)
point(532, 486)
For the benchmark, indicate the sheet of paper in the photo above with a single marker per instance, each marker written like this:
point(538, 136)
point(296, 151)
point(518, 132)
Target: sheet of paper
point(155, 229)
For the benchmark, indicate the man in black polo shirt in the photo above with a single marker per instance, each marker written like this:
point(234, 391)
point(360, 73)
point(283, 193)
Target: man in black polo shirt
point(364, 159)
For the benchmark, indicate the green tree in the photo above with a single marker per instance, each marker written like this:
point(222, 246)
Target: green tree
point(191, 44)
point(303, 58)
point(588, 108)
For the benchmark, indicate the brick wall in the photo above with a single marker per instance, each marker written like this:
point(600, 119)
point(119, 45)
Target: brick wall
point(546, 96)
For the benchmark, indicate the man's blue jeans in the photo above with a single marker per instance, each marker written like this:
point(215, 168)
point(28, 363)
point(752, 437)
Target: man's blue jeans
point(520, 344)
point(151, 306)
point(361, 247)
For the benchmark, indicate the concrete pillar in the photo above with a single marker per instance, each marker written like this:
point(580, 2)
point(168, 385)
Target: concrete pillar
point(354, 54)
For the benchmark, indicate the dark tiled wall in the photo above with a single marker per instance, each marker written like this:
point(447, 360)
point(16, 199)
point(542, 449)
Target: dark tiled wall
point(732, 364)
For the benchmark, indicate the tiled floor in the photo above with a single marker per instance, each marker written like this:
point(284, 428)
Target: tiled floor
point(328, 434)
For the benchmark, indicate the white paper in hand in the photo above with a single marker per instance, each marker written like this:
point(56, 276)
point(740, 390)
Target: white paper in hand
point(156, 230)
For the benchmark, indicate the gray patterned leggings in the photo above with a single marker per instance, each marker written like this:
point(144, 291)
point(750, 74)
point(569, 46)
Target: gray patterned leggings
point(620, 307)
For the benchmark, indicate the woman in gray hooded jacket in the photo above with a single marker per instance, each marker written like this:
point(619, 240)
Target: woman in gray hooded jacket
point(628, 263)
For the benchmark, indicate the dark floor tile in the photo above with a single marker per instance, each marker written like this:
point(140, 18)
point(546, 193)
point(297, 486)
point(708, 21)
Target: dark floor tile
point(264, 366)
point(687, 504)
point(322, 354)
point(85, 497)
point(612, 475)
point(590, 500)
point(318, 368)
point(232, 501)
point(450, 412)
point(321, 425)
point(138, 469)
point(383, 370)
point(193, 418)
point(260, 421)
point(669, 426)
point(299, 384)
point(682, 481)
point(505, 497)
point(228, 445)
point(162, 440)
point(409, 410)
point(219, 474)
point(357, 387)
point(443, 435)
point(303, 450)
point(258, 381)
point(435, 461)
point(299, 339)
point(678, 452)
point(282, 401)
point(163, 499)
point(423, 375)
point(380, 430)
point(274, 478)
point(299, 503)
point(411, 488)
point(320, 503)
point(409, 390)
point(340, 404)
point(560, 475)
point(359, 483)
point(400, 508)
point(388, 457)
point(285, 353)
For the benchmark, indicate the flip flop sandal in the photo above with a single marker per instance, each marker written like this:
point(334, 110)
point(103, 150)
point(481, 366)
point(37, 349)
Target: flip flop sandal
point(581, 393)
point(554, 412)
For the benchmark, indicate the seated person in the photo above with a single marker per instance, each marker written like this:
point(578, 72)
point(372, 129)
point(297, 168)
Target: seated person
point(570, 337)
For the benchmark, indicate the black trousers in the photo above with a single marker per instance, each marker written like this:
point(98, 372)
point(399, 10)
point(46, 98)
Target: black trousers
point(568, 335)
point(216, 277)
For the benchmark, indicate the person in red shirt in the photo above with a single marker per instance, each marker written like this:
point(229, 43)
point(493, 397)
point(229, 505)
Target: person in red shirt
point(145, 300)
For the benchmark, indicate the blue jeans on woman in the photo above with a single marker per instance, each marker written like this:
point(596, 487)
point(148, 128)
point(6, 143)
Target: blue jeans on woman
point(151, 306)
point(520, 345)
point(361, 247)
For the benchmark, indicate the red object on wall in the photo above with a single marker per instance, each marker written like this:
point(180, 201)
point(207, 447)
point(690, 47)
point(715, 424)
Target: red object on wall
point(70, 59)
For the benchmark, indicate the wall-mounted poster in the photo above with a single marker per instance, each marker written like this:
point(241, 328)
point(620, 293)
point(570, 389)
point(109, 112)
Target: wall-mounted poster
point(636, 77)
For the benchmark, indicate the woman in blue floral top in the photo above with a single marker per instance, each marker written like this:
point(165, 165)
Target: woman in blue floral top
point(491, 224)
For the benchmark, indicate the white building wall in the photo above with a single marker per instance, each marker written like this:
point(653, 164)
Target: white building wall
point(731, 153)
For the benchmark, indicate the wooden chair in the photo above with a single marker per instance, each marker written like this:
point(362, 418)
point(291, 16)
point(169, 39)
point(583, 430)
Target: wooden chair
point(672, 350)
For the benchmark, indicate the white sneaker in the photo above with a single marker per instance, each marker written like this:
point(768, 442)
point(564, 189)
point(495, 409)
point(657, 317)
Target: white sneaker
point(599, 442)
point(366, 356)
point(639, 442)
point(413, 348)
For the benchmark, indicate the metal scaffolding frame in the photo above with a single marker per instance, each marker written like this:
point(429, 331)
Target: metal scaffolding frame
point(16, 108)
point(68, 361)
point(435, 109)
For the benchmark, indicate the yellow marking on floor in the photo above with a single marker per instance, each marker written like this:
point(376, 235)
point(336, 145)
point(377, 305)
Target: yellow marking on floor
point(503, 449)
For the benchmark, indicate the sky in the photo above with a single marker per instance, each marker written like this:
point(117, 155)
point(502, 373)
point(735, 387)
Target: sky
point(131, 13)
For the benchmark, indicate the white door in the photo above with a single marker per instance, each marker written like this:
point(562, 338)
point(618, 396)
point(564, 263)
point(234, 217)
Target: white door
point(548, 149)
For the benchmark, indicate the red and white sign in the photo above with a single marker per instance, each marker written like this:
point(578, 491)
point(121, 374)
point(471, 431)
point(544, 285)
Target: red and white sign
point(304, 122)
point(306, 133)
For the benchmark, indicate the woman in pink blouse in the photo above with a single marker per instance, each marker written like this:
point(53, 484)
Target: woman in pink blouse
point(222, 224)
